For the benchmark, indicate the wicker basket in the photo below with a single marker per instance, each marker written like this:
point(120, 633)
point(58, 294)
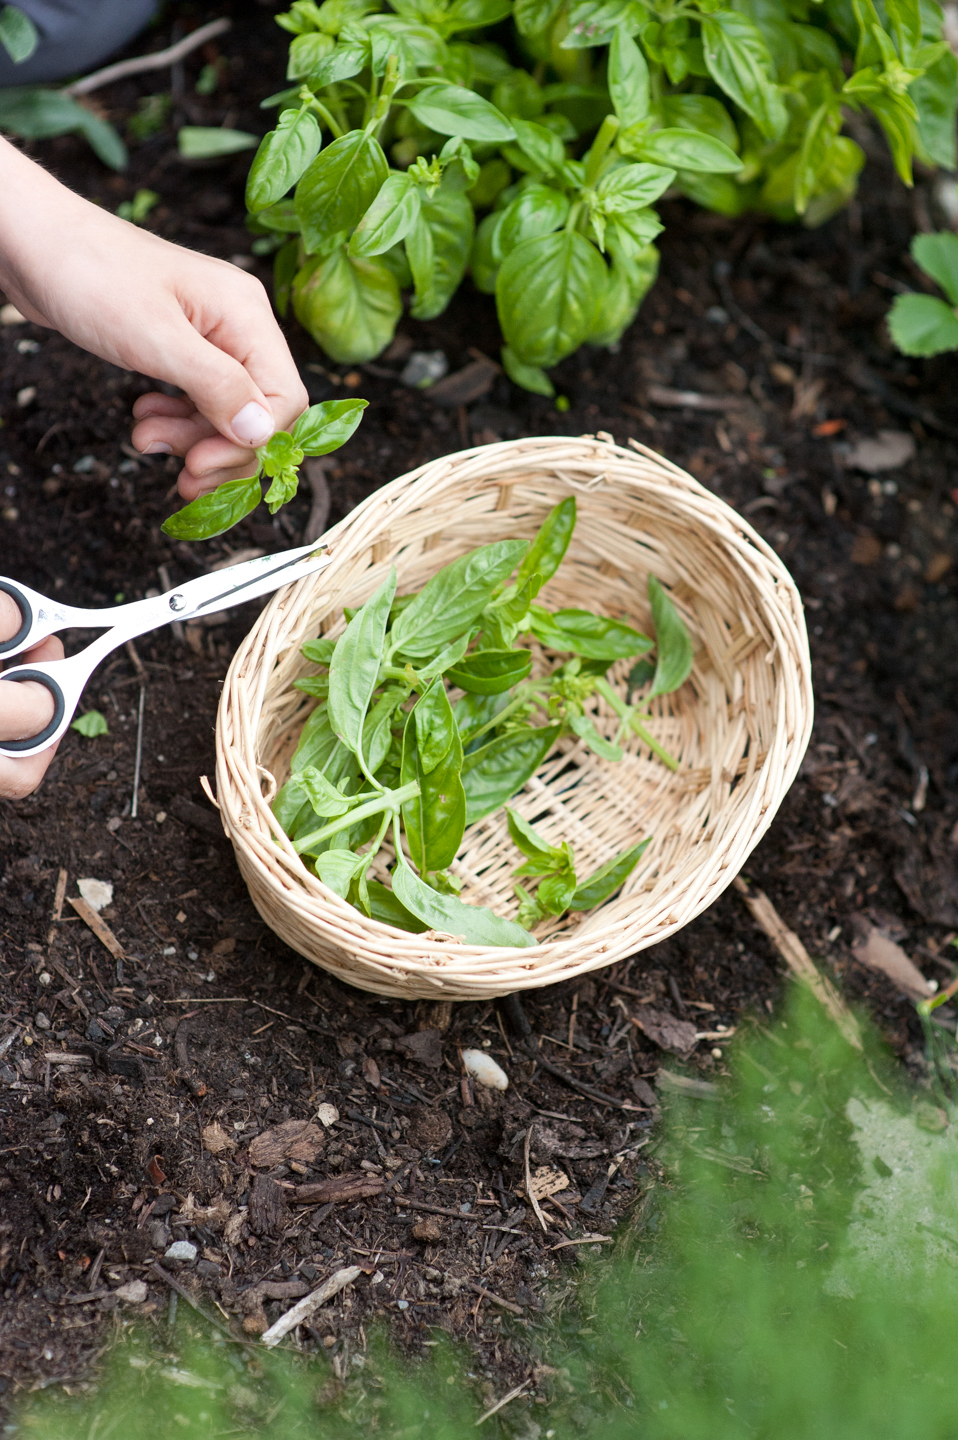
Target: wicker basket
point(738, 727)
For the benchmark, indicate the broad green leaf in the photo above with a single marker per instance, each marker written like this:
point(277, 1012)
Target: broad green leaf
point(894, 117)
point(377, 728)
point(326, 800)
point(628, 79)
point(495, 772)
point(936, 96)
point(938, 257)
point(604, 882)
point(348, 58)
point(556, 891)
point(451, 654)
point(673, 644)
point(415, 46)
point(90, 724)
point(629, 237)
point(632, 187)
point(435, 726)
point(923, 325)
point(212, 514)
point(585, 728)
point(489, 672)
point(349, 306)
point(595, 22)
point(518, 96)
point(528, 377)
point(434, 820)
point(438, 247)
point(689, 150)
point(450, 110)
point(476, 924)
point(486, 256)
point(701, 112)
point(354, 668)
point(18, 35)
point(339, 187)
point(205, 142)
point(547, 550)
point(538, 144)
point(320, 651)
point(454, 598)
point(536, 210)
point(388, 909)
point(389, 218)
point(279, 219)
point(739, 62)
point(324, 427)
point(306, 52)
point(580, 632)
point(283, 156)
point(532, 17)
point(337, 869)
point(527, 839)
point(547, 293)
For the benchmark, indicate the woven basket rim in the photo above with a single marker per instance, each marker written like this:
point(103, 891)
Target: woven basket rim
point(378, 951)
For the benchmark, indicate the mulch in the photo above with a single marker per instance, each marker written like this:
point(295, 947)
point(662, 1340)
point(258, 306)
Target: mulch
point(206, 1084)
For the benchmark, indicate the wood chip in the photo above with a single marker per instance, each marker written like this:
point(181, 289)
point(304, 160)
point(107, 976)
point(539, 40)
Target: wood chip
point(217, 1140)
point(343, 1187)
point(799, 961)
point(544, 1181)
point(678, 1036)
point(99, 927)
point(308, 1306)
point(874, 948)
point(692, 399)
point(298, 1140)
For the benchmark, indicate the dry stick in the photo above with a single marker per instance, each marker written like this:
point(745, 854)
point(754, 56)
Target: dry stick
point(434, 1209)
point(485, 1294)
point(156, 61)
point(799, 961)
point(307, 1307)
point(512, 1395)
point(99, 927)
point(533, 1198)
point(57, 905)
point(139, 757)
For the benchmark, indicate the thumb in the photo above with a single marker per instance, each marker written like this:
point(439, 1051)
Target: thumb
point(220, 387)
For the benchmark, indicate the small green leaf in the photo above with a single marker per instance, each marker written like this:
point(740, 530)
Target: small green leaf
point(337, 869)
point(212, 514)
point(938, 257)
point(584, 727)
point(628, 79)
point(556, 891)
point(90, 724)
point(18, 34)
point(496, 772)
point(435, 726)
point(451, 110)
point(454, 598)
point(283, 156)
point(527, 377)
point(489, 672)
point(923, 325)
point(326, 426)
point(204, 142)
point(527, 839)
point(597, 637)
point(476, 924)
point(354, 668)
point(389, 218)
point(673, 643)
point(689, 150)
point(602, 883)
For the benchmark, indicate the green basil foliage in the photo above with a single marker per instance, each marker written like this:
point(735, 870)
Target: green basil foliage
point(318, 430)
point(923, 324)
point(415, 143)
point(386, 752)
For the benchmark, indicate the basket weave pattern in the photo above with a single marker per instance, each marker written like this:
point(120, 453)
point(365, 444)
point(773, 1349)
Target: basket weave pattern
point(738, 727)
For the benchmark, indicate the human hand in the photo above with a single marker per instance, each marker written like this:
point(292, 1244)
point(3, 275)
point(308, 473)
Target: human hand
point(145, 304)
point(25, 707)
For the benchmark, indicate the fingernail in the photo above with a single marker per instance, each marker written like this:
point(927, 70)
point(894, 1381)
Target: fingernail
point(158, 447)
point(253, 424)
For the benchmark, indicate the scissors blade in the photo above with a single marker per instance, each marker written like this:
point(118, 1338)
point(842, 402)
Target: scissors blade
point(246, 581)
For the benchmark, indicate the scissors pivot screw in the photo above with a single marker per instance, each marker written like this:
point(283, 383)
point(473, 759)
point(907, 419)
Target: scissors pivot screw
point(178, 602)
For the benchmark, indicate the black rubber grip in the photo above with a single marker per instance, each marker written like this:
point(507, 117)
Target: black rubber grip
point(26, 612)
point(59, 705)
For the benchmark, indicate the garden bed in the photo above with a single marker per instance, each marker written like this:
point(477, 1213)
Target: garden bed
point(209, 1021)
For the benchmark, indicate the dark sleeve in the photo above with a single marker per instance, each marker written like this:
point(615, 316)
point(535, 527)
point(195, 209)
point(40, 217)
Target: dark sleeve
point(76, 36)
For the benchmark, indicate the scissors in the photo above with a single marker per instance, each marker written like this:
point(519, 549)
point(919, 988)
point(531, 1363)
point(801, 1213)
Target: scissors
point(206, 595)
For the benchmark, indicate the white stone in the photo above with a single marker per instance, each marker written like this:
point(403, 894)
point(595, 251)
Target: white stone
point(483, 1068)
point(98, 894)
point(183, 1250)
point(134, 1292)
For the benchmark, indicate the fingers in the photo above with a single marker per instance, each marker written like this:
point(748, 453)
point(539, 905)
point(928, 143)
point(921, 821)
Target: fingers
point(25, 708)
point(156, 403)
point(10, 617)
point(190, 486)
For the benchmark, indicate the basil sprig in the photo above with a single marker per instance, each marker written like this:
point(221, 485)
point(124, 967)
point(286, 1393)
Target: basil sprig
point(387, 753)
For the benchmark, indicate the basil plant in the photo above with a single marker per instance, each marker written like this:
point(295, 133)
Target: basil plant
point(561, 130)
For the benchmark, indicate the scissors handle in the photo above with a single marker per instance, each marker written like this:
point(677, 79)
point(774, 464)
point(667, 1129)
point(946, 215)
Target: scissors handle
point(51, 732)
point(21, 639)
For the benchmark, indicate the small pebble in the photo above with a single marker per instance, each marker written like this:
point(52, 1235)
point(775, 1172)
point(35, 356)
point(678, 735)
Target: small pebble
point(41, 1021)
point(26, 396)
point(45, 978)
point(183, 1251)
point(134, 1292)
point(402, 1304)
point(484, 1069)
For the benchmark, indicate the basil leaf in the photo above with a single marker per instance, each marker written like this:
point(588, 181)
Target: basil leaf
point(317, 744)
point(285, 266)
point(584, 727)
point(631, 187)
point(689, 150)
point(476, 924)
point(434, 820)
point(605, 881)
point(580, 631)
point(454, 598)
point(528, 377)
point(337, 869)
point(377, 728)
point(496, 772)
point(501, 619)
point(283, 156)
point(354, 669)
point(349, 306)
point(438, 247)
point(739, 62)
point(640, 674)
point(922, 325)
point(451, 655)
point(388, 909)
point(547, 294)
point(317, 685)
point(935, 94)
point(538, 144)
point(489, 672)
point(306, 52)
point(325, 799)
point(18, 34)
point(486, 254)
point(326, 426)
point(280, 453)
point(530, 842)
point(473, 711)
point(534, 16)
point(701, 112)
point(343, 63)
point(672, 642)
point(536, 210)
point(211, 514)
point(556, 891)
point(450, 110)
point(339, 187)
point(435, 728)
point(320, 651)
point(389, 218)
point(628, 79)
point(211, 142)
point(938, 257)
point(284, 487)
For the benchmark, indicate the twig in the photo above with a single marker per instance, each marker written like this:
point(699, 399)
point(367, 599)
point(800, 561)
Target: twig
point(58, 899)
point(99, 927)
point(799, 961)
point(513, 1395)
point(310, 1304)
point(138, 665)
point(134, 803)
point(181, 1290)
point(485, 1294)
point(156, 61)
point(434, 1209)
point(585, 1240)
point(531, 1194)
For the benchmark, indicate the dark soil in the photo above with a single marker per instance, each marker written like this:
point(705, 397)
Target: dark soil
point(213, 1022)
